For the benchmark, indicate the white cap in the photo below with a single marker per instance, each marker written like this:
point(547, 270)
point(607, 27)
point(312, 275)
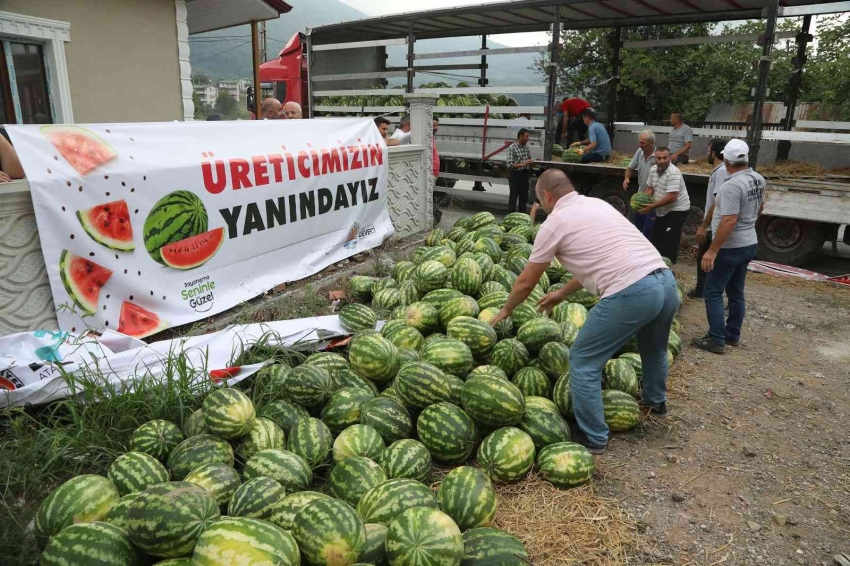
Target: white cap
point(736, 151)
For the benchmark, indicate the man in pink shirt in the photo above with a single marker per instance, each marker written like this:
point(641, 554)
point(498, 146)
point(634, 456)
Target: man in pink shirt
point(609, 257)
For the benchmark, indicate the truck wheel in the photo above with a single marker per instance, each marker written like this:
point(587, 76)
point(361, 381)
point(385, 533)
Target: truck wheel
point(788, 240)
point(615, 196)
point(695, 216)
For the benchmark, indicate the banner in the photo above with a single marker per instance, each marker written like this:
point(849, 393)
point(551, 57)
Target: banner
point(149, 226)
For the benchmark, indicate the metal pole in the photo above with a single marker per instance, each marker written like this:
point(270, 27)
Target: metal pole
point(309, 100)
point(803, 39)
point(553, 86)
point(483, 80)
point(411, 39)
point(754, 137)
point(616, 44)
point(255, 50)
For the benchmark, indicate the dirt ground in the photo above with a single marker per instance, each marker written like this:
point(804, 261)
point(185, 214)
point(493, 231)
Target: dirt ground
point(753, 464)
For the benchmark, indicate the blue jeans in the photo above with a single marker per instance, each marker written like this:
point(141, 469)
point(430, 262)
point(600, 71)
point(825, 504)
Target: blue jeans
point(647, 308)
point(592, 157)
point(729, 274)
point(645, 223)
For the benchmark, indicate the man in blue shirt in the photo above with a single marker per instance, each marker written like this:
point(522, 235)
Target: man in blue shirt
point(598, 143)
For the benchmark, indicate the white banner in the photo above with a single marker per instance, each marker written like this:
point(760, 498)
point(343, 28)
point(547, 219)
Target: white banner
point(148, 226)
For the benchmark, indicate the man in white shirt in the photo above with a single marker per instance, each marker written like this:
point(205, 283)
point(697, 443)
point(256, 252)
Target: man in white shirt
point(671, 204)
point(402, 133)
point(718, 177)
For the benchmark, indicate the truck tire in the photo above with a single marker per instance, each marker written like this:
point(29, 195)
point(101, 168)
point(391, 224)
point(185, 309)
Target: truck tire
point(615, 196)
point(788, 240)
point(695, 216)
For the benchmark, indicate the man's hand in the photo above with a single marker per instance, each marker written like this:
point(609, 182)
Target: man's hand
point(529, 161)
point(575, 144)
point(500, 316)
point(4, 178)
point(708, 260)
point(646, 209)
point(534, 208)
point(549, 302)
point(702, 235)
point(626, 184)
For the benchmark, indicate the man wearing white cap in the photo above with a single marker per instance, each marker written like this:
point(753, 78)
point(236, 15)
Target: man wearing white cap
point(737, 205)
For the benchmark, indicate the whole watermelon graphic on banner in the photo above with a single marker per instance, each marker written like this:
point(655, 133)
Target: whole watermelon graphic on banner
point(149, 226)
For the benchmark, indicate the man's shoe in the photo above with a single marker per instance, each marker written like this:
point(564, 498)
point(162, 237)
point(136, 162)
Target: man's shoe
point(658, 411)
point(694, 294)
point(707, 344)
point(734, 344)
point(595, 449)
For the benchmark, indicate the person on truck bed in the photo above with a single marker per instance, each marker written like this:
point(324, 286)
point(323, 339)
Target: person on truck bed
point(598, 141)
point(737, 205)
point(671, 205)
point(681, 139)
point(610, 258)
point(573, 109)
point(292, 111)
point(383, 125)
point(402, 133)
point(519, 161)
point(270, 110)
point(642, 162)
point(718, 177)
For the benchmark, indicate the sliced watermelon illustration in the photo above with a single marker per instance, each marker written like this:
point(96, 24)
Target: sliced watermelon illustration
point(83, 149)
point(109, 224)
point(82, 279)
point(193, 251)
point(138, 322)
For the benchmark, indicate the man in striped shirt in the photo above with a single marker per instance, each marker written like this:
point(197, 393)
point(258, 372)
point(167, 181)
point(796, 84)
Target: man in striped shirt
point(519, 161)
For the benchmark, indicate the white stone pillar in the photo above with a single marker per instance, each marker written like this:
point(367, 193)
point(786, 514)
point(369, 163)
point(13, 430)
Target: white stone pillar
point(422, 133)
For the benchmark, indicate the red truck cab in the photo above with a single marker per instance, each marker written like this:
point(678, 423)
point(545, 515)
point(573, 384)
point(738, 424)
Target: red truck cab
point(285, 78)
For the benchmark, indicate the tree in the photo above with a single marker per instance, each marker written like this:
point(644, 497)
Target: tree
point(226, 105)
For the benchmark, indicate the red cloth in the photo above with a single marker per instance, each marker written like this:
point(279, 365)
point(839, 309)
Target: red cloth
point(574, 106)
point(436, 159)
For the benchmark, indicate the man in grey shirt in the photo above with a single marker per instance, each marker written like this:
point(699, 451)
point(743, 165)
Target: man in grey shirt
point(642, 162)
point(737, 206)
point(718, 177)
point(681, 139)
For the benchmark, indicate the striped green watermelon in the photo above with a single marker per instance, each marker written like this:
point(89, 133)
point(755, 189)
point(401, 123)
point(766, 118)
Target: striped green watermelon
point(284, 413)
point(423, 536)
point(494, 300)
point(351, 477)
point(537, 332)
point(447, 432)
point(358, 440)
point(388, 416)
point(406, 459)
point(360, 287)
point(91, 544)
point(402, 270)
point(521, 250)
point(384, 301)
point(156, 438)
point(373, 357)
point(420, 384)
point(449, 244)
point(242, 540)
point(536, 294)
point(166, 519)
point(478, 335)
point(634, 360)
point(565, 464)
point(333, 363)
point(487, 266)
point(489, 247)
point(543, 424)
point(264, 433)
point(490, 287)
point(196, 451)
point(567, 277)
point(511, 240)
point(193, 425)
point(570, 312)
point(136, 471)
point(466, 244)
point(405, 336)
point(430, 275)
point(541, 403)
point(523, 313)
point(491, 231)
point(554, 359)
point(183, 561)
point(405, 355)
point(385, 501)
point(459, 306)
point(561, 395)
point(509, 355)
point(450, 355)
point(619, 374)
point(456, 234)
point(467, 276)
point(343, 409)
point(487, 546)
point(456, 387)
point(309, 386)
point(569, 333)
point(506, 454)
point(640, 200)
point(391, 393)
point(492, 401)
point(354, 317)
point(492, 371)
point(419, 255)
point(674, 343)
point(532, 382)
point(676, 326)
point(422, 316)
point(292, 504)
point(467, 496)
point(257, 498)
point(350, 378)
point(117, 516)
point(479, 220)
point(514, 219)
point(268, 382)
point(434, 236)
point(290, 470)
point(505, 277)
point(80, 499)
point(375, 551)
point(555, 271)
point(517, 264)
point(584, 298)
point(219, 480)
point(439, 297)
point(525, 231)
point(442, 254)
point(504, 328)
point(408, 293)
point(311, 439)
point(622, 412)
point(228, 413)
point(390, 326)
point(384, 283)
point(176, 216)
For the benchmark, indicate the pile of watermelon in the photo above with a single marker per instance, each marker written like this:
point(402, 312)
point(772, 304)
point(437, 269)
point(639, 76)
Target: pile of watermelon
point(334, 466)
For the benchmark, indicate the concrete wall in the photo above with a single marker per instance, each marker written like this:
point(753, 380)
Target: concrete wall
point(122, 57)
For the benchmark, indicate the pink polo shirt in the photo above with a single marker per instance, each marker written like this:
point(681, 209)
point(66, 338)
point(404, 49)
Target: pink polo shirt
point(596, 243)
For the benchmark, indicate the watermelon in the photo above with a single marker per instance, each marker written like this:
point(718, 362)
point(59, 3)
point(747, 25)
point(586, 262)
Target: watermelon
point(634, 360)
point(175, 217)
point(467, 276)
point(406, 459)
point(555, 271)
point(478, 335)
point(442, 254)
point(505, 277)
point(385, 300)
point(450, 355)
point(523, 313)
point(290, 470)
point(554, 359)
point(674, 343)
point(193, 251)
point(447, 432)
point(492, 371)
point(402, 270)
point(479, 220)
point(292, 504)
point(109, 224)
point(375, 551)
point(354, 317)
point(82, 149)
point(308, 385)
point(384, 283)
point(543, 423)
point(405, 355)
point(373, 357)
point(584, 298)
point(117, 516)
point(570, 312)
point(264, 433)
point(494, 299)
point(456, 234)
point(456, 387)
point(228, 413)
point(156, 438)
point(489, 247)
point(513, 219)
point(509, 355)
point(408, 293)
point(184, 561)
point(619, 374)
point(422, 316)
point(490, 287)
point(430, 275)
point(439, 297)
point(526, 231)
point(358, 440)
point(458, 306)
point(360, 287)
point(467, 496)
point(343, 409)
point(334, 364)
point(91, 544)
point(284, 413)
point(382, 503)
point(350, 378)
point(242, 540)
point(434, 236)
point(517, 264)
point(487, 267)
point(82, 280)
point(462, 222)
point(511, 240)
point(537, 332)
point(532, 382)
point(166, 519)
point(405, 336)
point(640, 200)
point(390, 326)
point(506, 454)
point(136, 471)
point(80, 499)
point(196, 451)
point(561, 395)
point(311, 439)
point(522, 250)
point(420, 384)
point(676, 326)
point(569, 333)
point(565, 464)
point(423, 536)
point(622, 412)
point(351, 477)
point(486, 546)
point(192, 426)
point(219, 480)
point(257, 498)
point(504, 328)
point(492, 401)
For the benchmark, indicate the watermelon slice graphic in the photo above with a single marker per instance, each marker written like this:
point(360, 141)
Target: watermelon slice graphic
point(83, 149)
point(109, 224)
point(138, 322)
point(82, 279)
point(193, 251)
